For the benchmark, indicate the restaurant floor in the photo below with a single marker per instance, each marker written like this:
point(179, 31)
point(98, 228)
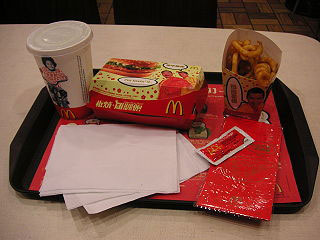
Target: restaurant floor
point(264, 15)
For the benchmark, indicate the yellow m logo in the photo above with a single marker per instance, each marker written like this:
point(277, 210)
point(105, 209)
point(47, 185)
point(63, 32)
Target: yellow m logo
point(67, 114)
point(174, 107)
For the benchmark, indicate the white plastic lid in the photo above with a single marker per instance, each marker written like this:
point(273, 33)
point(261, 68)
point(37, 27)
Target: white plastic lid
point(59, 38)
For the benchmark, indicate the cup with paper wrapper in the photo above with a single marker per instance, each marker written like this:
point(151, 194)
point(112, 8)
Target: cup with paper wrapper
point(155, 93)
point(249, 66)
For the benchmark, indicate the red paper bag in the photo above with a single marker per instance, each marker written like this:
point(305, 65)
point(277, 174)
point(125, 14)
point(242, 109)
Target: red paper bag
point(244, 184)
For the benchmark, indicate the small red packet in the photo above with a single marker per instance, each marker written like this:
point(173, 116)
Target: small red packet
point(245, 184)
point(225, 146)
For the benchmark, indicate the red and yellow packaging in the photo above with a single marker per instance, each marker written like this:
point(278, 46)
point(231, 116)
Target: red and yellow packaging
point(155, 93)
point(223, 147)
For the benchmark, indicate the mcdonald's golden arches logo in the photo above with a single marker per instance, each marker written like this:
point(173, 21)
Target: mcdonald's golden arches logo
point(67, 114)
point(175, 106)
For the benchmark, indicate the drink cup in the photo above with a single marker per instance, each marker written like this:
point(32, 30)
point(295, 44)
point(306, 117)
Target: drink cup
point(62, 52)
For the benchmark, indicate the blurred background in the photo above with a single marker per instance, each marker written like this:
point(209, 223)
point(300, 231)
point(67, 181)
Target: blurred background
point(264, 15)
point(292, 16)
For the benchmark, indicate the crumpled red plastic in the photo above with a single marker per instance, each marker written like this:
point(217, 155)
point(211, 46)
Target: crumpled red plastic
point(244, 184)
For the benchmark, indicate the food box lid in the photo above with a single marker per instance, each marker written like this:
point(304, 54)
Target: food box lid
point(146, 80)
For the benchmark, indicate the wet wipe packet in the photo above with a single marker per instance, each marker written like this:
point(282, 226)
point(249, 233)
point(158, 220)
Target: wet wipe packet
point(244, 185)
point(225, 146)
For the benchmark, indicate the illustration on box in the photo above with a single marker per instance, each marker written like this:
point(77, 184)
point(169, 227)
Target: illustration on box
point(145, 88)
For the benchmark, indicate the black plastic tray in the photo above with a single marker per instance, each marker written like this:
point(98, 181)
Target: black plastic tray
point(33, 136)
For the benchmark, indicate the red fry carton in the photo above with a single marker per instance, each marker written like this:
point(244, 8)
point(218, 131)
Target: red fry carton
point(155, 93)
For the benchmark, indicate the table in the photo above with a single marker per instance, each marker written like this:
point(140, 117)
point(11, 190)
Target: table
point(21, 82)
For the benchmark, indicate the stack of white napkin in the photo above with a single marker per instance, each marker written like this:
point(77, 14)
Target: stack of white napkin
point(102, 166)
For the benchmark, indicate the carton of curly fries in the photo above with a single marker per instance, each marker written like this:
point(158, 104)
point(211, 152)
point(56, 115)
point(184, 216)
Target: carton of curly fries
point(249, 67)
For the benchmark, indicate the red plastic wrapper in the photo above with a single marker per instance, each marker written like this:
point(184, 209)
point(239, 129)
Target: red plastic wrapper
point(225, 146)
point(244, 185)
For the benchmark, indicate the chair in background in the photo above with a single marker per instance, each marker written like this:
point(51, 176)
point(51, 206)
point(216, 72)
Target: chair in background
point(309, 8)
point(182, 13)
point(47, 11)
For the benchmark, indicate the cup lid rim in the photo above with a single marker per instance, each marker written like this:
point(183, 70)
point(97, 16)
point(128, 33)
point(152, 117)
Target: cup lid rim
point(59, 38)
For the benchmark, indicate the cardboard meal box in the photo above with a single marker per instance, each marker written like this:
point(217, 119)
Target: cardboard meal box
point(249, 67)
point(155, 93)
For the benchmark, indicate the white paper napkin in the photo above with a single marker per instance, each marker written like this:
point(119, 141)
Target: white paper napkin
point(75, 200)
point(112, 158)
point(189, 165)
point(110, 203)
